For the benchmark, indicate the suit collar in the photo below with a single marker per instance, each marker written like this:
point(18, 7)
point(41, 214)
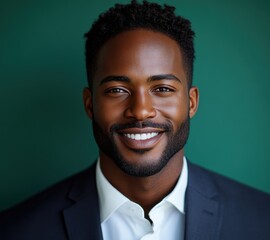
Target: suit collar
point(203, 208)
point(82, 218)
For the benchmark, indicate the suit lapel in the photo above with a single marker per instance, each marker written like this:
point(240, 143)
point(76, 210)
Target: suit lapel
point(203, 209)
point(82, 218)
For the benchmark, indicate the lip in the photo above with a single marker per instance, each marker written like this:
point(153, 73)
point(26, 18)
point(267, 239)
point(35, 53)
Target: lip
point(140, 138)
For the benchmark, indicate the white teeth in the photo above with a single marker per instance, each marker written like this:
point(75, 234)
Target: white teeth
point(141, 136)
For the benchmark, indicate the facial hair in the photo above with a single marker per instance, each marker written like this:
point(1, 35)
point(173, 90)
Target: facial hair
point(176, 142)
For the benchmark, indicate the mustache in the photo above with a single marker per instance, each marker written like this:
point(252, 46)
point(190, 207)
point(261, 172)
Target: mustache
point(141, 124)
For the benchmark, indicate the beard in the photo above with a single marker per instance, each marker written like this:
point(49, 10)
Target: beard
point(176, 142)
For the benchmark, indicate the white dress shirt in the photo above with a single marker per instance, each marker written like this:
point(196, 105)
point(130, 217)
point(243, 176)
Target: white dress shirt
point(122, 219)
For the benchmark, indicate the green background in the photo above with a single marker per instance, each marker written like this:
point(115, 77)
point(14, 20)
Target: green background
point(45, 135)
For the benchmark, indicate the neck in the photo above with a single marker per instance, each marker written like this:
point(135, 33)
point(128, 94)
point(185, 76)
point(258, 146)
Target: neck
point(146, 191)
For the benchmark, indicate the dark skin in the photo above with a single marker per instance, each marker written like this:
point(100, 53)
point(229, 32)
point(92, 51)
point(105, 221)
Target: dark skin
point(154, 87)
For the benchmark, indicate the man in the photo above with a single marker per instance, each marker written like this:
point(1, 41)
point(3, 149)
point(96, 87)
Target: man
point(140, 99)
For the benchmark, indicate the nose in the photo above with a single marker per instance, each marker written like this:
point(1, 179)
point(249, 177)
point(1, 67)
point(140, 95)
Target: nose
point(140, 106)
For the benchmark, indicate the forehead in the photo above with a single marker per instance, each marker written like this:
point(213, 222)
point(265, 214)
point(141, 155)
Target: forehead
point(139, 52)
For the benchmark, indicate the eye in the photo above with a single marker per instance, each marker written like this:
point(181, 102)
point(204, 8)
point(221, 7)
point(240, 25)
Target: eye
point(116, 91)
point(163, 89)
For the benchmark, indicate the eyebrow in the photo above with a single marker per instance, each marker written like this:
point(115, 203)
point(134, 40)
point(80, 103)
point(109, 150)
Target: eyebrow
point(150, 79)
point(114, 79)
point(163, 77)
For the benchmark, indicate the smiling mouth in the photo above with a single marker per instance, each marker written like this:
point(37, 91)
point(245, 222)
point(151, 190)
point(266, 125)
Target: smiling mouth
point(141, 136)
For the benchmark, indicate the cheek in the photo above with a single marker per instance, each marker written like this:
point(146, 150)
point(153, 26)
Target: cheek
point(107, 112)
point(174, 109)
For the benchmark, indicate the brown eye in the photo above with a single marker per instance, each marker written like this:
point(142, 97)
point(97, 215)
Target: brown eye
point(116, 90)
point(163, 89)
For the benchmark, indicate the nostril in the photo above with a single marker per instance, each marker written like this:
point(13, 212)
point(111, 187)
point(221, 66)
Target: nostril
point(140, 109)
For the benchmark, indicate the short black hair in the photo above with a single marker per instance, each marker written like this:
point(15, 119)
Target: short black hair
point(134, 15)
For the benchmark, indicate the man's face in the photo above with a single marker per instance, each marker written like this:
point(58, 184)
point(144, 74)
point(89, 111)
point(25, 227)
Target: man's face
point(140, 102)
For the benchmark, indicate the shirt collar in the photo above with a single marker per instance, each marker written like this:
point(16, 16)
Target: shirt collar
point(108, 205)
point(177, 196)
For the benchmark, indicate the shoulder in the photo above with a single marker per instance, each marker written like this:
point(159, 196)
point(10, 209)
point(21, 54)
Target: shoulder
point(242, 205)
point(228, 189)
point(45, 208)
point(56, 195)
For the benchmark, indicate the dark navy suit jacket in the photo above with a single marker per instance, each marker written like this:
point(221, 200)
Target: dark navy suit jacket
point(217, 208)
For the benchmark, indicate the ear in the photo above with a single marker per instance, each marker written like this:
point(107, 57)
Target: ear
point(193, 101)
point(87, 100)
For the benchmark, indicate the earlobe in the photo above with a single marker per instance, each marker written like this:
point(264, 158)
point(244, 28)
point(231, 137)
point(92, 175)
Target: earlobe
point(87, 100)
point(193, 101)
